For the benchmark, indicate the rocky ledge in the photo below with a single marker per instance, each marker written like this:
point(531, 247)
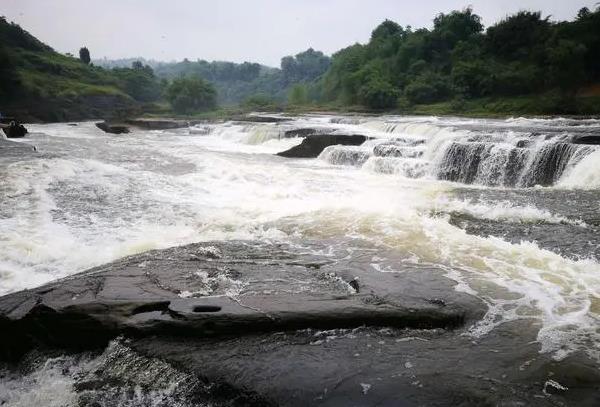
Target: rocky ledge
point(258, 324)
point(314, 144)
point(219, 289)
point(113, 128)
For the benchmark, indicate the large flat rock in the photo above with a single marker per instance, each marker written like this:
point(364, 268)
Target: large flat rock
point(258, 324)
point(215, 289)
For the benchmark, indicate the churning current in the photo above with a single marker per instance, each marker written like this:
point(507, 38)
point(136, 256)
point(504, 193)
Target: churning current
point(509, 209)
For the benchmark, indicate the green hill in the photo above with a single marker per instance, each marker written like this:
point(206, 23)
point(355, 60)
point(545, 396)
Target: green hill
point(37, 83)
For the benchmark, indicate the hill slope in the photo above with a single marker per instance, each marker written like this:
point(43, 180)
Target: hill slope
point(37, 83)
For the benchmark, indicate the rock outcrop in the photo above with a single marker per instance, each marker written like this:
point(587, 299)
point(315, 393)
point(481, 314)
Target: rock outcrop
point(113, 128)
point(314, 144)
point(257, 324)
point(160, 124)
point(213, 290)
point(14, 130)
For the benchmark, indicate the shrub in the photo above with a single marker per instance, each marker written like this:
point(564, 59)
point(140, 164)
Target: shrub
point(191, 94)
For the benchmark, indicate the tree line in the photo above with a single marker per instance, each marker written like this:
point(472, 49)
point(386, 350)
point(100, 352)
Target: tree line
point(457, 59)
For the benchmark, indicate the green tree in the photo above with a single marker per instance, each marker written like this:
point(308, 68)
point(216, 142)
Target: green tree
point(378, 94)
point(84, 55)
point(298, 95)
point(191, 94)
point(567, 65)
point(9, 78)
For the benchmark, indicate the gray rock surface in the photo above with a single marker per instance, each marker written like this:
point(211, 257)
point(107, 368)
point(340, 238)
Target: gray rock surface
point(257, 324)
point(222, 288)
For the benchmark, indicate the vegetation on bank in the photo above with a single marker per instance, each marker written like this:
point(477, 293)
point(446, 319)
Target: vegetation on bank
point(524, 63)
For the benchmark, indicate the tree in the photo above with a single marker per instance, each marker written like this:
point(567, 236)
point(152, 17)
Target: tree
point(9, 79)
point(378, 94)
point(84, 55)
point(191, 94)
point(298, 95)
point(385, 30)
point(139, 82)
point(518, 36)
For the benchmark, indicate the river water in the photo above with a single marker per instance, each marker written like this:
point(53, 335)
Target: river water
point(508, 208)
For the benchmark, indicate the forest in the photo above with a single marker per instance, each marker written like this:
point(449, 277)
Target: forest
point(457, 60)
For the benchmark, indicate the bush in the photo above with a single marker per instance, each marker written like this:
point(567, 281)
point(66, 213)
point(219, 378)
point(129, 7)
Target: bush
point(191, 94)
point(428, 88)
point(378, 94)
point(260, 102)
point(472, 78)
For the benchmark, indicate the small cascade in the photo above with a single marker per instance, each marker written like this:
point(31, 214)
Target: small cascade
point(493, 153)
point(345, 155)
point(396, 150)
point(258, 134)
point(406, 167)
point(507, 165)
point(550, 162)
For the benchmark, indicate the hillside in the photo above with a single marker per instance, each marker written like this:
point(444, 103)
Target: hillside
point(39, 84)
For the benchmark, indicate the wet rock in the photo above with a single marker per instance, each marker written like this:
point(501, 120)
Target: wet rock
point(314, 144)
point(113, 128)
point(160, 124)
point(256, 324)
point(14, 130)
point(592, 139)
point(217, 289)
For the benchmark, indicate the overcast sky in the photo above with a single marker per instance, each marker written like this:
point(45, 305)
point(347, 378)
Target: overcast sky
point(238, 30)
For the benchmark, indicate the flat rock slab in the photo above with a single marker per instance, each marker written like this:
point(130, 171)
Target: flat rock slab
point(218, 288)
point(256, 324)
point(161, 124)
point(113, 128)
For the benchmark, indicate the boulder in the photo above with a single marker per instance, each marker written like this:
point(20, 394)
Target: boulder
point(314, 144)
point(113, 128)
point(14, 130)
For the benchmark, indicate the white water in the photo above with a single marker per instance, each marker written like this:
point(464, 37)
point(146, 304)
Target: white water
point(89, 198)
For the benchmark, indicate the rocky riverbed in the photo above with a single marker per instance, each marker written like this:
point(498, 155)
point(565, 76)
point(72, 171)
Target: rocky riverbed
point(432, 262)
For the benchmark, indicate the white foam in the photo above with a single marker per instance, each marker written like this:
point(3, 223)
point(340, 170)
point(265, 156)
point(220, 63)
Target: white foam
point(107, 197)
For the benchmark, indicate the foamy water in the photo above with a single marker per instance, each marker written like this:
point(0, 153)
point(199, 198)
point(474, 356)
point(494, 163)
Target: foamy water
point(87, 198)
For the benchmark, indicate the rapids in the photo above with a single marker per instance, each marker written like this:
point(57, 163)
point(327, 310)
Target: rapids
point(508, 208)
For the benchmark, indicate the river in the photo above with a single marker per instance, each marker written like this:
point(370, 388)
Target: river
point(508, 209)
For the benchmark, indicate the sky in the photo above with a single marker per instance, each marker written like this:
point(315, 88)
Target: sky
point(239, 30)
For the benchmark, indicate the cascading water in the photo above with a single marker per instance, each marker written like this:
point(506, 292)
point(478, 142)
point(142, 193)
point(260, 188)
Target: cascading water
point(496, 154)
